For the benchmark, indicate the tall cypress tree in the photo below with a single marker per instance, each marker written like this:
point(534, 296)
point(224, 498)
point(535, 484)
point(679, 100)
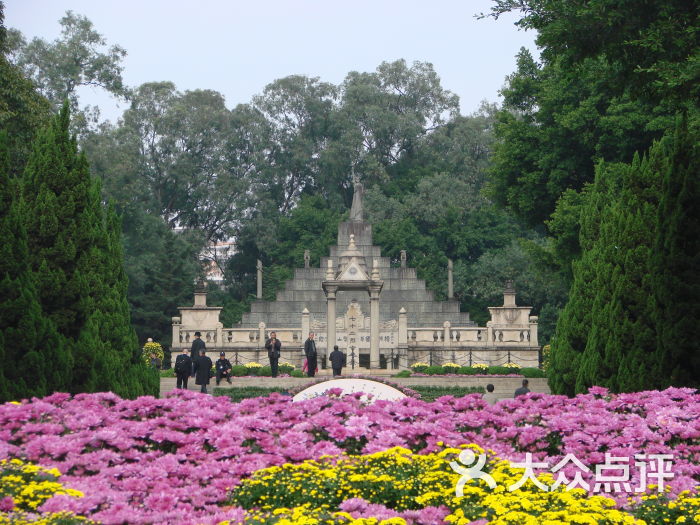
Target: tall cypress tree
point(29, 343)
point(631, 320)
point(622, 329)
point(677, 262)
point(77, 263)
point(572, 331)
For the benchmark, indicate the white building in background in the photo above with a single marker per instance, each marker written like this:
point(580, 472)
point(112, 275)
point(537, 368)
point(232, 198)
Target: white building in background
point(214, 257)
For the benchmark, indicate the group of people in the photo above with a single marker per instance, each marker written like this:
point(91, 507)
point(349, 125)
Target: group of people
point(491, 398)
point(198, 365)
point(336, 357)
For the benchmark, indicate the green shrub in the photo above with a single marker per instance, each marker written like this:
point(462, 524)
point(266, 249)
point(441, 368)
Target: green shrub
point(286, 368)
point(419, 367)
point(434, 370)
point(450, 368)
point(297, 373)
point(239, 371)
point(239, 393)
point(499, 370)
point(533, 372)
point(431, 393)
point(468, 371)
point(403, 373)
point(265, 371)
point(170, 372)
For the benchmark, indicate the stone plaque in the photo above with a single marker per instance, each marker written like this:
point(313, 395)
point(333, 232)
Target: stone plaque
point(350, 385)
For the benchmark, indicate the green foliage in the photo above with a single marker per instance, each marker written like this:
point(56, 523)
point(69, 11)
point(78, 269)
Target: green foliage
point(532, 372)
point(22, 110)
point(285, 368)
point(403, 373)
point(80, 57)
point(239, 371)
point(501, 370)
point(653, 52)
point(237, 394)
point(431, 393)
point(27, 338)
point(434, 370)
point(77, 265)
point(613, 327)
point(675, 265)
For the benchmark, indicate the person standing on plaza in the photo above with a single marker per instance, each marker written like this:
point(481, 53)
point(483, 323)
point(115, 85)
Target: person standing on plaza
point(490, 397)
point(523, 389)
point(311, 355)
point(197, 345)
point(273, 346)
point(183, 368)
point(202, 371)
point(223, 369)
point(337, 359)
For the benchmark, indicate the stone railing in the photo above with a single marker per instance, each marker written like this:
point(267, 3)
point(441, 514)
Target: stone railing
point(471, 337)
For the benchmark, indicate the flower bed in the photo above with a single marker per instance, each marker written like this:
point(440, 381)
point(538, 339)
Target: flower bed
point(180, 459)
point(477, 369)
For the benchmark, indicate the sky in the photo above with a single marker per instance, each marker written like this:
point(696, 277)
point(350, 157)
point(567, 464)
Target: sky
point(238, 47)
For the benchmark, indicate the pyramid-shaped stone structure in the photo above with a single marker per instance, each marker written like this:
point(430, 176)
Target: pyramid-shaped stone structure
point(402, 289)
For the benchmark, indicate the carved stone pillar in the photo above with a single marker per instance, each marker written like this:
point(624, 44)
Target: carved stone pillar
point(403, 339)
point(261, 340)
point(305, 325)
point(259, 290)
point(450, 286)
point(330, 317)
point(374, 326)
point(176, 333)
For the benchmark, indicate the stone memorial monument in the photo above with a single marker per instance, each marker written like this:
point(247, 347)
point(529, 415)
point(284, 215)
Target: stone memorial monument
point(382, 316)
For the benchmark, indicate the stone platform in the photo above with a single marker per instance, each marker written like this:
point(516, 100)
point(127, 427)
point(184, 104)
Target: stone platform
point(503, 386)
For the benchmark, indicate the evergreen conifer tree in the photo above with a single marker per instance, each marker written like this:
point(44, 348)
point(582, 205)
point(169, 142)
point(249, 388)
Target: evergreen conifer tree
point(631, 320)
point(29, 345)
point(572, 331)
point(77, 262)
point(677, 262)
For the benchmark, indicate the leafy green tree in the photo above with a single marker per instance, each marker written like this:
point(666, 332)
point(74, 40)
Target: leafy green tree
point(173, 159)
point(652, 49)
point(80, 57)
point(621, 337)
point(556, 122)
point(22, 109)
point(381, 117)
point(161, 266)
point(298, 111)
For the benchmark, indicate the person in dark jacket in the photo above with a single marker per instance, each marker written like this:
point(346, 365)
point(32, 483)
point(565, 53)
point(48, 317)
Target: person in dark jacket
point(197, 345)
point(523, 389)
point(311, 355)
point(183, 368)
point(337, 359)
point(223, 369)
point(273, 347)
point(202, 369)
